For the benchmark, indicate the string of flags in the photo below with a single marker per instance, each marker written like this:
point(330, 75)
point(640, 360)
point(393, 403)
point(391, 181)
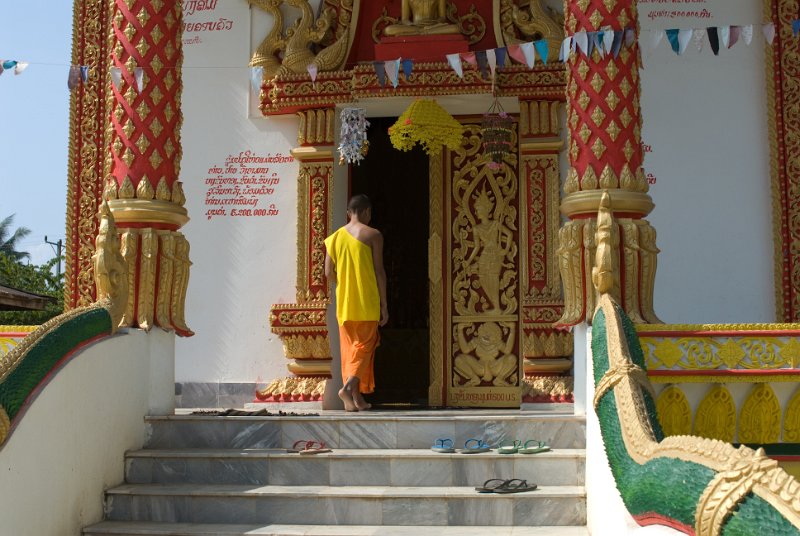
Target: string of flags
point(606, 41)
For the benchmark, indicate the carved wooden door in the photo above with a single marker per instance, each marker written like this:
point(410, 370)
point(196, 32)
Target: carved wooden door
point(475, 279)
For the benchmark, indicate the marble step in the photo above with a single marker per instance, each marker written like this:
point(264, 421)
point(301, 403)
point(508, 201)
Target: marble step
point(372, 430)
point(113, 528)
point(350, 505)
point(346, 467)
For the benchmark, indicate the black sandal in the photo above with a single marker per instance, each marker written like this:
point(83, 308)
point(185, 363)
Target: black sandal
point(489, 488)
point(515, 485)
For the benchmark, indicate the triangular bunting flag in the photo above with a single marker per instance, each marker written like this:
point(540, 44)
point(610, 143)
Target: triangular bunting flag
point(256, 77)
point(469, 57)
point(769, 32)
point(795, 27)
point(734, 38)
point(713, 39)
point(698, 36)
point(492, 59)
point(455, 62)
point(392, 69)
point(563, 54)
point(684, 38)
point(527, 53)
point(582, 40)
point(630, 37)
point(84, 73)
point(312, 72)
point(747, 34)
point(616, 46)
point(672, 35)
point(543, 49)
point(608, 40)
point(591, 39)
point(20, 66)
point(656, 36)
point(599, 38)
point(515, 53)
point(138, 75)
point(724, 35)
point(380, 72)
point(483, 63)
point(500, 54)
point(408, 67)
point(74, 77)
point(1, 67)
point(9, 64)
point(116, 76)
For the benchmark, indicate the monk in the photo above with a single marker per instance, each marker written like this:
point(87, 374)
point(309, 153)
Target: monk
point(354, 261)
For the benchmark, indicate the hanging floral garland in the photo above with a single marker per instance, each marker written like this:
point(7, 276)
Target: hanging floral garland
point(426, 123)
point(353, 143)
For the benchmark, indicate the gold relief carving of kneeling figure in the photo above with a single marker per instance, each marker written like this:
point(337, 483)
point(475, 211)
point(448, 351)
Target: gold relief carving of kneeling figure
point(422, 17)
point(494, 362)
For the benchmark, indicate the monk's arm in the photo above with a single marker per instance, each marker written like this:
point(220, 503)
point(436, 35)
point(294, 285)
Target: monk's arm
point(330, 269)
point(380, 275)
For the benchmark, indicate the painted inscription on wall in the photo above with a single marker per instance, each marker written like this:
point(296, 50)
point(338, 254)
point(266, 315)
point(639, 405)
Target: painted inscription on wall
point(657, 10)
point(647, 149)
point(244, 185)
point(199, 18)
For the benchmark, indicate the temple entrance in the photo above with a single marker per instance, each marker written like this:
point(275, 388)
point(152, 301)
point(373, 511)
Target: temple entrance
point(397, 184)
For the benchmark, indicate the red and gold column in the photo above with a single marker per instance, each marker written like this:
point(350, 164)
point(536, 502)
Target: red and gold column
point(143, 160)
point(302, 325)
point(604, 146)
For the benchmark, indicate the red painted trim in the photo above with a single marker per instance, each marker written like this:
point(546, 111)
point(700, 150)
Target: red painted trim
point(15, 334)
point(786, 457)
point(723, 333)
point(653, 518)
point(725, 372)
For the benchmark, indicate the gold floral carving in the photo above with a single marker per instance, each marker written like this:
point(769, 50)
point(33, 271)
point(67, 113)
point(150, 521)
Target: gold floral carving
point(760, 416)
point(718, 352)
point(715, 417)
point(180, 283)
point(148, 257)
point(791, 420)
point(314, 220)
point(674, 412)
point(435, 288)
point(306, 346)
point(548, 344)
point(166, 266)
point(87, 136)
point(552, 386)
point(294, 387)
point(130, 250)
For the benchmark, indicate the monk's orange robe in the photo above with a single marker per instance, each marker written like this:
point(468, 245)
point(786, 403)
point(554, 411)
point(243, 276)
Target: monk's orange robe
point(357, 306)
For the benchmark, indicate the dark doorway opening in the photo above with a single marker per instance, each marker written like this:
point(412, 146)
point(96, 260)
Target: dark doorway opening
point(397, 184)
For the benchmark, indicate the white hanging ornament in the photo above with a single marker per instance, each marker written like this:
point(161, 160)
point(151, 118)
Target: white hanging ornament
point(353, 144)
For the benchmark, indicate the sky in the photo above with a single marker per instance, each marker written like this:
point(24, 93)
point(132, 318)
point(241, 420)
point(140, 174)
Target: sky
point(34, 116)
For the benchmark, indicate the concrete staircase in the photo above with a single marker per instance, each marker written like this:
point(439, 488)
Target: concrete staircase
point(232, 476)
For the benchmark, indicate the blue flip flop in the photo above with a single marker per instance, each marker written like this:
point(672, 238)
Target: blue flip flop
point(474, 446)
point(443, 446)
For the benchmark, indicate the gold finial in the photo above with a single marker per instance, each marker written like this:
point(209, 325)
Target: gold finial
point(110, 270)
point(603, 271)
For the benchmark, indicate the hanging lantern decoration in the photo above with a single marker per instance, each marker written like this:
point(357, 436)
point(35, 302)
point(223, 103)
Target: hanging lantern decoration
point(426, 123)
point(353, 143)
point(496, 130)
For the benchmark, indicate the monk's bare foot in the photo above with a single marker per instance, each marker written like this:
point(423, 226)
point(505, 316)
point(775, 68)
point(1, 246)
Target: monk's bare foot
point(361, 404)
point(347, 399)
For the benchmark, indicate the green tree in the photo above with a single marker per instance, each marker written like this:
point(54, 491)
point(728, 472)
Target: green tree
point(10, 241)
point(31, 278)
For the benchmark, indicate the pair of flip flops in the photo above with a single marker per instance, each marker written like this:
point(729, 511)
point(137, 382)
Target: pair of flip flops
point(471, 446)
point(307, 447)
point(531, 446)
point(499, 485)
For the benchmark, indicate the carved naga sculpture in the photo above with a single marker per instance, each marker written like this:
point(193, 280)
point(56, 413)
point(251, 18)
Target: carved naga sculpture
point(296, 46)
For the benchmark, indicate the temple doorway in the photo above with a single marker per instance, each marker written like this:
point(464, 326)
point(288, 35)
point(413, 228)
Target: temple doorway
point(397, 184)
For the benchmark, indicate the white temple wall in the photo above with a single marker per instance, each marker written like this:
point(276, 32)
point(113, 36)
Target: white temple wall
point(704, 119)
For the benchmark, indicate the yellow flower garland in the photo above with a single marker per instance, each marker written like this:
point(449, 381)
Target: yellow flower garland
point(426, 123)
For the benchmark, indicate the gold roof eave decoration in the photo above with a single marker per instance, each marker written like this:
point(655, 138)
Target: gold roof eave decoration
point(427, 123)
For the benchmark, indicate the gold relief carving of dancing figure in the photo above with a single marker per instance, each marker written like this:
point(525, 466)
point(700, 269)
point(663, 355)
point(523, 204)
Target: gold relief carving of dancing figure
point(493, 361)
point(422, 17)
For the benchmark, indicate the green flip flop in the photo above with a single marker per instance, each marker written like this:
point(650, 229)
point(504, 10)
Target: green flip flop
point(513, 448)
point(534, 448)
